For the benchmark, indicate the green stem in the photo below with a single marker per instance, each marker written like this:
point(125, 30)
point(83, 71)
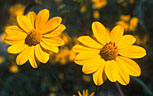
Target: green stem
point(119, 89)
point(146, 89)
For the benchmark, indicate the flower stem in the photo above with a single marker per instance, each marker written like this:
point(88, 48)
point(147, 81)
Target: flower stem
point(119, 89)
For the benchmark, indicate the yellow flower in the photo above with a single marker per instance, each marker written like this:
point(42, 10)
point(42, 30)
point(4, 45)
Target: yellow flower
point(96, 14)
point(2, 59)
point(97, 4)
point(85, 93)
point(17, 9)
point(13, 69)
point(109, 55)
point(128, 23)
point(34, 37)
point(83, 9)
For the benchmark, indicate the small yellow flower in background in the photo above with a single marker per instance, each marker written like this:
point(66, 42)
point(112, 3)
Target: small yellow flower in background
point(85, 93)
point(83, 9)
point(142, 40)
point(34, 37)
point(86, 78)
point(97, 4)
point(129, 23)
point(61, 6)
point(13, 69)
point(1, 59)
point(109, 55)
point(17, 9)
point(133, 23)
point(96, 14)
point(52, 94)
point(65, 55)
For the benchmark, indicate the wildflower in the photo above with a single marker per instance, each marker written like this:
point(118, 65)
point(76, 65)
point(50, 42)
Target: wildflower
point(96, 14)
point(128, 23)
point(13, 69)
point(83, 9)
point(97, 4)
point(34, 37)
point(85, 93)
point(17, 9)
point(2, 59)
point(107, 55)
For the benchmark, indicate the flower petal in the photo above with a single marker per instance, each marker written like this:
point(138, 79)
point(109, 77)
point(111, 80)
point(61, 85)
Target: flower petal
point(123, 76)
point(51, 24)
point(84, 56)
point(130, 66)
point(80, 48)
point(49, 47)
point(126, 41)
point(55, 32)
point(24, 56)
point(32, 59)
point(116, 33)
point(54, 41)
point(16, 48)
point(91, 65)
point(98, 75)
point(88, 41)
point(100, 33)
point(32, 17)
point(41, 19)
point(41, 55)
point(25, 23)
point(133, 52)
point(14, 33)
point(111, 70)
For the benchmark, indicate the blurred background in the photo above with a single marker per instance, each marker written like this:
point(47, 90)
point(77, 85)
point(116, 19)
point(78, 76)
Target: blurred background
point(61, 76)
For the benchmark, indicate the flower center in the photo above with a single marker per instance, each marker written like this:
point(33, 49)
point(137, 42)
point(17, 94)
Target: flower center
point(33, 38)
point(109, 51)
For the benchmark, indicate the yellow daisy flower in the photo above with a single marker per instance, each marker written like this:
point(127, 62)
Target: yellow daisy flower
point(97, 4)
point(107, 55)
point(34, 37)
point(85, 93)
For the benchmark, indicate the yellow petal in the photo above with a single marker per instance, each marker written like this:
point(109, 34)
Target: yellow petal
point(129, 65)
point(32, 17)
point(41, 55)
point(55, 32)
point(51, 24)
point(133, 52)
point(24, 56)
point(41, 19)
point(97, 76)
point(79, 93)
point(88, 41)
point(80, 48)
point(25, 23)
point(84, 56)
point(14, 33)
point(49, 47)
point(32, 59)
point(111, 70)
point(54, 41)
point(126, 41)
point(100, 33)
point(91, 65)
point(123, 76)
point(117, 33)
point(16, 48)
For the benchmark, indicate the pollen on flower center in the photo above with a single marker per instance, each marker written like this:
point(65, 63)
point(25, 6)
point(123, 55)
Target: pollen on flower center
point(109, 51)
point(33, 38)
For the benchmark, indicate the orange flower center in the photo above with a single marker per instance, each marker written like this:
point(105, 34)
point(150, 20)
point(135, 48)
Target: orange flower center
point(33, 38)
point(109, 51)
